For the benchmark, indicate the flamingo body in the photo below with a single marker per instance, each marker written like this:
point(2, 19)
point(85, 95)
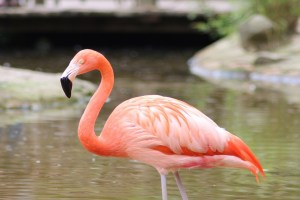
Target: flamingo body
point(170, 134)
point(163, 132)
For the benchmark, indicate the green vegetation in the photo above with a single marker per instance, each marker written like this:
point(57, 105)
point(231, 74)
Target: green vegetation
point(283, 13)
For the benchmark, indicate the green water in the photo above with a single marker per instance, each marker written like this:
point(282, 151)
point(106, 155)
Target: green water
point(41, 157)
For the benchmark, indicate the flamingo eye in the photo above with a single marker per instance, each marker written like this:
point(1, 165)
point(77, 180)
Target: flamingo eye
point(81, 61)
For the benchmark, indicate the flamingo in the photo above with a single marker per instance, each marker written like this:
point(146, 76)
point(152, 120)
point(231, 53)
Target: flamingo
point(163, 132)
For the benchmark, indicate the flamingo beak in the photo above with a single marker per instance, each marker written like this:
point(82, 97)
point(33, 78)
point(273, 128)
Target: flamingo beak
point(68, 77)
point(66, 85)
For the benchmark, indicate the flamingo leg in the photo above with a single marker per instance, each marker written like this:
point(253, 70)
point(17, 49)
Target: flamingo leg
point(163, 180)
point(180, 186)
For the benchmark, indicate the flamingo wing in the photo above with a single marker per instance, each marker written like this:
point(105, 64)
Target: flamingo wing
point(179, 126)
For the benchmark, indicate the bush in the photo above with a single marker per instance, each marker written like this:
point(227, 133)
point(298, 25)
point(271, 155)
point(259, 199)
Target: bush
point(283, 13)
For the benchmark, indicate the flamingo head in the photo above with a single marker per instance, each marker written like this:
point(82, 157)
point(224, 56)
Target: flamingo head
point(83, 62)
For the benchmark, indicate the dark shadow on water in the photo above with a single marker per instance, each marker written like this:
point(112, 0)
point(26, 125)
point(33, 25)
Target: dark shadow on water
point(135, 54)
point(37, 40)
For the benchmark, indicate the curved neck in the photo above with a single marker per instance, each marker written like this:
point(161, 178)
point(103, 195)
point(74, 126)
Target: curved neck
point(86, 132)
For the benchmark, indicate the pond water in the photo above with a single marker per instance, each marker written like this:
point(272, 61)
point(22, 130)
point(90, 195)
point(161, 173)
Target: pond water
point(41, 157)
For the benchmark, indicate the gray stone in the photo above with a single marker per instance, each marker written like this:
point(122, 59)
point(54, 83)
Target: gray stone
point(266, 57)
point(256, 33)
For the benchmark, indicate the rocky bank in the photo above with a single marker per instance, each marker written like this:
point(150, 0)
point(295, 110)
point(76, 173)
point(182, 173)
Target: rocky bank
point(227, 64)
point(32, 90)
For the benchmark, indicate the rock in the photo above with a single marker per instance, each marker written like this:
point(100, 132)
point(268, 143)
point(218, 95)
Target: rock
point(266, 57)
point(27, 89)
point(256, 33)
point(227, 64)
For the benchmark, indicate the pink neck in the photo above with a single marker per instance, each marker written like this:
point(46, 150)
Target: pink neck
point(86, 132)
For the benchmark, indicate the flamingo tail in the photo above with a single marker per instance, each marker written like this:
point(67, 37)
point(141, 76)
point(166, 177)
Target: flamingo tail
point(241, 150)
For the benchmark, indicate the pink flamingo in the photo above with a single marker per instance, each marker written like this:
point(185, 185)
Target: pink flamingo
point(163, 132)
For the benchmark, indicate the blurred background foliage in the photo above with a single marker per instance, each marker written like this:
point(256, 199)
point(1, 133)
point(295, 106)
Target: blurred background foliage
point(283, 13)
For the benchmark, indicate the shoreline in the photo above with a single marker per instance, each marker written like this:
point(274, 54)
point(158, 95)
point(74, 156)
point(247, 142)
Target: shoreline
point(225, 63)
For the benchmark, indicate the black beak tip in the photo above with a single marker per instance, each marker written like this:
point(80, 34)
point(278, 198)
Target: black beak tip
point(66, 86)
